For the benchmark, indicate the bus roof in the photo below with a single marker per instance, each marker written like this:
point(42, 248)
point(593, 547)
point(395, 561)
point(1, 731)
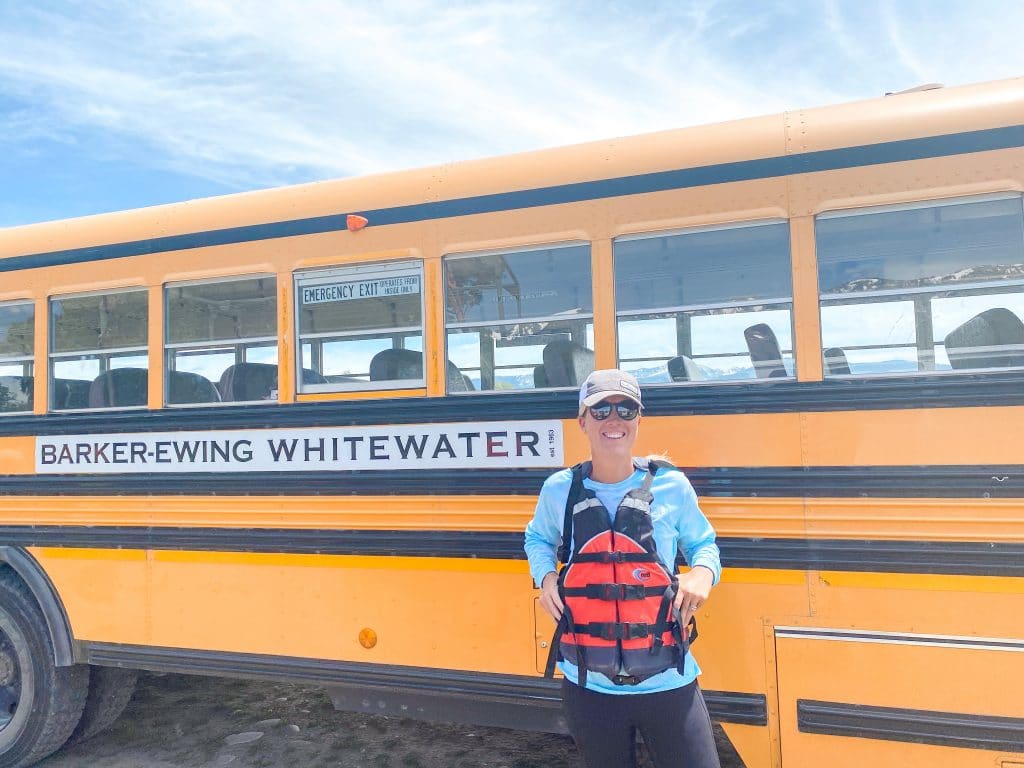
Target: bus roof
point(776, 139)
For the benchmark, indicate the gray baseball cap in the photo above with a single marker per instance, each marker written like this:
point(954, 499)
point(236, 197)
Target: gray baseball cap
point(601, 384)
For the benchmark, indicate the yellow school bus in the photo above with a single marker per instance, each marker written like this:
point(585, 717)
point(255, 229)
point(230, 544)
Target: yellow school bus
point(296, 434)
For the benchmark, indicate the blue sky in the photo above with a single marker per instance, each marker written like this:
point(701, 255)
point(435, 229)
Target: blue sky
point(110, 104)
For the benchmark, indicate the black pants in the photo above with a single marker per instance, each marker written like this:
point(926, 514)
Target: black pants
point(675, 726)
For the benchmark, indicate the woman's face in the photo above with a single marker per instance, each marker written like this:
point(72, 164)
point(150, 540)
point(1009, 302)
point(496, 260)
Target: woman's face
point(613, 437)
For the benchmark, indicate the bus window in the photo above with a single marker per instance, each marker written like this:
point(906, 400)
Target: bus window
point(361, 328)
point(519, 319)
point(221, 341)
point(98, 355)
point(17, 337)
point(936, 286)
point(710, 304)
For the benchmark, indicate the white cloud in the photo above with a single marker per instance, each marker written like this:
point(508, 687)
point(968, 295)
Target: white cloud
point(266, 93)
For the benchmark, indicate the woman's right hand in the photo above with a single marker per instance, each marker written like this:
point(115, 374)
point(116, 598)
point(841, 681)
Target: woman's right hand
point(550, 600)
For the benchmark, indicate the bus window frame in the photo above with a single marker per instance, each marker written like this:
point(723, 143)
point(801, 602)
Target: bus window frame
point(26, 362)
point(52, 356)
point(532, 247)
point(323, 275)
point(236, 346)
point(765, 304)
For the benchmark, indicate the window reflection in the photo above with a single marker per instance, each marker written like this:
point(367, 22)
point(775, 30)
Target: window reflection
point(705, 305)
point(519, 320)
point(222, 341)
point(930, 287)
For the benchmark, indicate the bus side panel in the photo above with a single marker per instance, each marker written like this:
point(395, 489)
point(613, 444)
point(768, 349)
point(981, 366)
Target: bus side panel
point(901, 703)
point(105, 592)
point(913, 437)
point(731, 643)
point(429, 612)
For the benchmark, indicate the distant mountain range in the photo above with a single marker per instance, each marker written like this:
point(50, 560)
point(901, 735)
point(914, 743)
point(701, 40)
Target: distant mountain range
point(659, 374)
point(980, 274)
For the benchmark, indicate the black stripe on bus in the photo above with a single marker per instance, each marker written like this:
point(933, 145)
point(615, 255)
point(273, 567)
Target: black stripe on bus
point(745, 170)
point(483, 687)
point(855, 555)
point(931, 482)
point(959, 390)
point(914, 726)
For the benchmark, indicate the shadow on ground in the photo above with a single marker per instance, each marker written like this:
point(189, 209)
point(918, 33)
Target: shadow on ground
point(181, 721)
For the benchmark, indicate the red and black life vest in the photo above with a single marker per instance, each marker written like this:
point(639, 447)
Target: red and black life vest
point(617, 591)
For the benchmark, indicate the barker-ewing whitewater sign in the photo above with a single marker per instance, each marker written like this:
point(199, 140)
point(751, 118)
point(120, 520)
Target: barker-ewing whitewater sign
point(429, 446)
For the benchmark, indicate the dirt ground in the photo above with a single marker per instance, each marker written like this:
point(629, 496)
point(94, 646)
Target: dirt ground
point(180, 721)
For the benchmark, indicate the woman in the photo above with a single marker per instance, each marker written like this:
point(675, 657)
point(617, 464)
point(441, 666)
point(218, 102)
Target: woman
point(624, 675)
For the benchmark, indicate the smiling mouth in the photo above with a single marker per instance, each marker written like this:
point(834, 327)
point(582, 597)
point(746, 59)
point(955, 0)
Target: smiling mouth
point(613, 435)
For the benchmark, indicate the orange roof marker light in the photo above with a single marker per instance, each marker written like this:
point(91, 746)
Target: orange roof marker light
point(355, 223)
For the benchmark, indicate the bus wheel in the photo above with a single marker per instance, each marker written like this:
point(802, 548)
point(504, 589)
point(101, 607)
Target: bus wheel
point(110, 689)
point(39, 703)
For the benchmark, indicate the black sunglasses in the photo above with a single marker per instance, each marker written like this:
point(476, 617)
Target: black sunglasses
point(627, 411)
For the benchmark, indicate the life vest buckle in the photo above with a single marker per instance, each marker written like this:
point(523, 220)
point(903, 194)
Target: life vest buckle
point(635, 631)
point(626, 680)
point(617, 591)
point(611, 630)
point(633, 592)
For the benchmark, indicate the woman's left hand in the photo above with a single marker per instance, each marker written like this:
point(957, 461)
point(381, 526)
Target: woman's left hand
point(694, 588)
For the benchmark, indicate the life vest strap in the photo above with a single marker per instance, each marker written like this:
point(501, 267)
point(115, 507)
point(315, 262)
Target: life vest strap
point(554, 652)
point(615, 557)
point(575, 489)
point(661, 623)
point(613, 591)
point(614, 630)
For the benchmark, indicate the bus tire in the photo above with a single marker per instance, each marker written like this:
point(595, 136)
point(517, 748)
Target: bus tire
point(110, 690)
point(40, 703)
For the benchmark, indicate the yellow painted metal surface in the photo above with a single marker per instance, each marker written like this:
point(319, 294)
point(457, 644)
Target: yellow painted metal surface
point(301, 605)
point(883, 519)
point(806, 318)
point(917, 677)
point(908, 437)
point(920, 603)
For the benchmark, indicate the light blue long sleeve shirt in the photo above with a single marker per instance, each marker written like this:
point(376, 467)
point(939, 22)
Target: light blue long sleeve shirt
point(679, 526)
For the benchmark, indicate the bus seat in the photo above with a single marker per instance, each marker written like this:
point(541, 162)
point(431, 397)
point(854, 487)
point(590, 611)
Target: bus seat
point(309, 376)
point(457, 380)
point(120, 388)
point(16, 393)
point(185, 387)
point(764, 350)
point(836, 363)
point(70, 393)
point(566, 363)
point(540, 378)
point(244, 382)
point(396, 364)
point(991, 339)
point(682, 368)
